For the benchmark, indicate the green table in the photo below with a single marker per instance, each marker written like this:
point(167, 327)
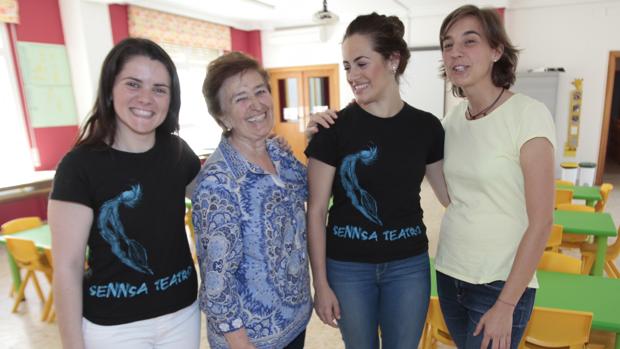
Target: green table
point(42, 238)
point(598, 224)
point(590, 194)
point(594, 294)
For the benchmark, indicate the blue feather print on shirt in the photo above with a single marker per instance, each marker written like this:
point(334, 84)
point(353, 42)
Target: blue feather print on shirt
point(129, 251)
point(360, 198)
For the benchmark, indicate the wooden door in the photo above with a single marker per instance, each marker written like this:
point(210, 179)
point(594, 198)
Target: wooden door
point(288, 108)
point(297, 92)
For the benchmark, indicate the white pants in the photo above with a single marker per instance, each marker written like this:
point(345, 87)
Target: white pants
point(180, 329)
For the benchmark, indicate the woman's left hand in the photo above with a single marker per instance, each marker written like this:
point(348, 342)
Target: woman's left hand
point(325, 119)
point(496, 326)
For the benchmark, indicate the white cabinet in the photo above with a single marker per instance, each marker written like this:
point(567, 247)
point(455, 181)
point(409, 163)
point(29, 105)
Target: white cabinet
point(542, 86)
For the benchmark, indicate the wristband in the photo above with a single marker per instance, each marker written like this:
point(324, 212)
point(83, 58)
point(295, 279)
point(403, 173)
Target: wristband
point(508, 303)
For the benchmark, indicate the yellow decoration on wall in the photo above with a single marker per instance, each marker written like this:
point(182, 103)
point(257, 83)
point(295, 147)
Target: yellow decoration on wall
point(574, 114)
point(177, 30)
point(9, 11)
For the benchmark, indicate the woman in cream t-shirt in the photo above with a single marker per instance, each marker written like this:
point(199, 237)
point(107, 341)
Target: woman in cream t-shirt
point(498, 166)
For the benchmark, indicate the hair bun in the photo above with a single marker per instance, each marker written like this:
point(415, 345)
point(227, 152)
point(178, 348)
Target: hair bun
point(397, 26)
point(386, 34)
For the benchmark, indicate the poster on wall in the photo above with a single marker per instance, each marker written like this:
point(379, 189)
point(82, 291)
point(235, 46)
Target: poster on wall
point(574, 114)
point(47, 84)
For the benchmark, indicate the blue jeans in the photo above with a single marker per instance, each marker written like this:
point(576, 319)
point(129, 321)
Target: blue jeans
point(392, 296)
point(463, 304)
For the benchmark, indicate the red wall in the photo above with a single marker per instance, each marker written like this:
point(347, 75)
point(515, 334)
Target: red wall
point(501, 11)
point(34, 206)
point(248, 42)
point(119, 22)
point(40, 22)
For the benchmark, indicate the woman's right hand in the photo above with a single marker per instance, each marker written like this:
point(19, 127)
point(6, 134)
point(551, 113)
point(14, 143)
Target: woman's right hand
point(325, 119)
point(326, 306)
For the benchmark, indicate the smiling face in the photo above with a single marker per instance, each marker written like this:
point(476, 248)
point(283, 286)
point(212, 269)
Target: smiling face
point(247, 106)
point(141, 97)
point(468, 58)
point(368, 73)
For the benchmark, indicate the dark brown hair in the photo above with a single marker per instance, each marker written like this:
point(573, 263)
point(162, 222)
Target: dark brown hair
point(100, 127)
point(386, 34)
point(220, 69)
point(503, 73)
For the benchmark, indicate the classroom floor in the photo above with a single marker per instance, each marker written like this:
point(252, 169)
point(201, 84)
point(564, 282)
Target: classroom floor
point(25, 330)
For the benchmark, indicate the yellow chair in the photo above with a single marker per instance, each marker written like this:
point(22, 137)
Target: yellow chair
point(435, 329)
point(574, 240)
point(19, 224)
point(563, 182)
point(553, 261)
point(563, 196)
point(556, 328)
point(190, 227)
point(15, 226)
point(588, 255)
point(555, 238)
point(28, 258)
point(573, 207)
point(605, 189)
point(49, 314)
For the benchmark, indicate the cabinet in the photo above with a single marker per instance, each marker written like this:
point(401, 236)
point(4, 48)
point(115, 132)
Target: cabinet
point(542, 86)
point(297, 92)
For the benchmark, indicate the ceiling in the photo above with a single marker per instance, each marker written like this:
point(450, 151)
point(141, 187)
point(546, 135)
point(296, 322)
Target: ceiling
point(276, 14)
point(272, 14)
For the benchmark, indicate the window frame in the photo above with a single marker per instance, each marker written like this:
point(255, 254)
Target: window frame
point(19, 144)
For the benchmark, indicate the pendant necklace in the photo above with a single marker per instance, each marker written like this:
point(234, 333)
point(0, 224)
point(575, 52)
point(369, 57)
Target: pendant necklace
point(484, 111)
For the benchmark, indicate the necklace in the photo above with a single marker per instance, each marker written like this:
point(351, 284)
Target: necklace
point(484, 111)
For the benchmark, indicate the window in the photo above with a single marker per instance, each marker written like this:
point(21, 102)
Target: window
point(198, 128)
point(14, 146)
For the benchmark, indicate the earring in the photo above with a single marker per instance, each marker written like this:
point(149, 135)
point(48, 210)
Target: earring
point(393, 69)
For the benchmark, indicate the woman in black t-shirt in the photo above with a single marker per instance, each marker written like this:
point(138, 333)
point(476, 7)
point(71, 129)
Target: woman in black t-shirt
point(120, 191)
point(370, 265)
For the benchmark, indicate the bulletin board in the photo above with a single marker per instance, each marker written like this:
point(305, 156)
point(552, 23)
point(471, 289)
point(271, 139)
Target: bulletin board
point(47, 84)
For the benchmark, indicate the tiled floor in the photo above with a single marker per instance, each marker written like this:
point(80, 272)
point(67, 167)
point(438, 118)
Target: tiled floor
point(25, 330)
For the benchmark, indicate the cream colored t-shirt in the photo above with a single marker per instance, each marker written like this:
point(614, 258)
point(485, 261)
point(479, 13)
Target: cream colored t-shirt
point(486, 219)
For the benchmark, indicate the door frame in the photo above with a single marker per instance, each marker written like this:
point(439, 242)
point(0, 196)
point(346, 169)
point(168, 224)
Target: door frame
point(602, 150)
point(303, 73)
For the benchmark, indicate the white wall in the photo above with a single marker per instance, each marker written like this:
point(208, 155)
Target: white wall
point(88, 38)
point(578, 38)
point(312, 45)
point(575, 36)
point(307, 46)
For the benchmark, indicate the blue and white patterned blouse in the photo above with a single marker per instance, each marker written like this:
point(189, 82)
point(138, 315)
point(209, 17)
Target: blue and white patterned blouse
point(251, 244)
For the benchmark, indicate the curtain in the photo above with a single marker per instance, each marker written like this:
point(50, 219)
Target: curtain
point(166, 28)
point(9, 11)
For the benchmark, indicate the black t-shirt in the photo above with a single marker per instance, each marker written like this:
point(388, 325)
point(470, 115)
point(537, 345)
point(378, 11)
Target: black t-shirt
point(380, 163)
point(139, 262)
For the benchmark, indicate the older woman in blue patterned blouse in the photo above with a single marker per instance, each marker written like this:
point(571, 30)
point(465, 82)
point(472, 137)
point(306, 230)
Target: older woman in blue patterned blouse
point(249, 218)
